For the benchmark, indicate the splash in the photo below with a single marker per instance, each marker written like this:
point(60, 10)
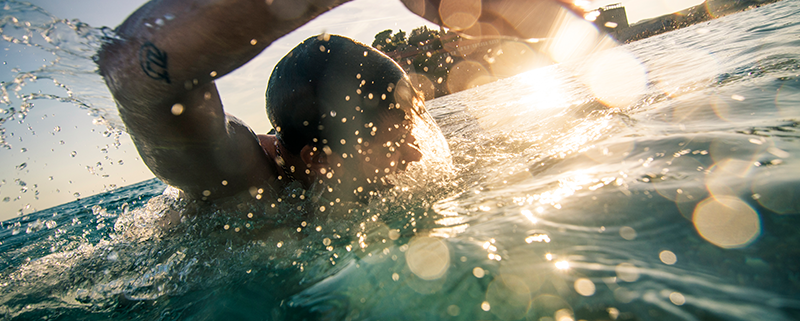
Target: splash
point(54, 107)
point(67, 48)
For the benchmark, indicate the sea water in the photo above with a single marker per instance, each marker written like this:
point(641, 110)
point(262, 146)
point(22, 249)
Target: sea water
point(679, 205)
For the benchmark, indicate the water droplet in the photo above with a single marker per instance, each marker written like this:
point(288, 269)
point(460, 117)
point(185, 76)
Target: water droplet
point(177, 109)
point(668, 257)
point(584, 287)
point(627, 233)
point(73, 153)
point(676, 298)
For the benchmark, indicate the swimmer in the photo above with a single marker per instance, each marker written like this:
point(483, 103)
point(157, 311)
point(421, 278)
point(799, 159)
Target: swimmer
point(343, 112)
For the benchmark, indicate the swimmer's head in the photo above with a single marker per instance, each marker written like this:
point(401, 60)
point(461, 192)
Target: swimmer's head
point(349, 101)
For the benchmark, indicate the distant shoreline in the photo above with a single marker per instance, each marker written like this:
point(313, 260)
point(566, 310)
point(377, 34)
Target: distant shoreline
point(708, 10)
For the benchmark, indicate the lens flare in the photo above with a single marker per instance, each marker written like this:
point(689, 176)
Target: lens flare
point(627, 272)
point(616, 77)
point(459, 15)
point(572, 38)
point(509, 296)
point(726, 177)
point(667, 257)
point(428, 257)
point(777, 191)
point(727, 222)
point(467, 74)
point(584, 287)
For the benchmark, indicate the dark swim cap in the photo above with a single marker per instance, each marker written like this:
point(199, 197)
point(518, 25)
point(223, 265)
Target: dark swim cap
point(330, 90)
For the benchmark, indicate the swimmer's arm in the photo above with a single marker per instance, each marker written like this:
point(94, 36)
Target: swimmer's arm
point(522, 19)
point(160, 71)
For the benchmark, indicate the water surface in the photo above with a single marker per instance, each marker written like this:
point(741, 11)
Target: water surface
point(680, 203)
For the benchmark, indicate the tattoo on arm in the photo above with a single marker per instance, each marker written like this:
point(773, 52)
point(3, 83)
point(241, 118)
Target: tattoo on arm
point(153, 62)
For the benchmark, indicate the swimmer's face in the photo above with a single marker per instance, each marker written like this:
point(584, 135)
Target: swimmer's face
point(389, 151)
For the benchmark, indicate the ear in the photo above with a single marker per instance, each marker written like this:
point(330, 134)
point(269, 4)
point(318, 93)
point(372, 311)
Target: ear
point(313, 158)
point(317, 160)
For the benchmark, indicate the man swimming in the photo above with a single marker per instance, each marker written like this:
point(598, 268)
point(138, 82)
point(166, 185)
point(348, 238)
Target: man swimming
point(343, 111)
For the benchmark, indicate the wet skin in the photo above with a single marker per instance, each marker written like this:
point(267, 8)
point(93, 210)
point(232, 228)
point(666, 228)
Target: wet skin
point(390, 151)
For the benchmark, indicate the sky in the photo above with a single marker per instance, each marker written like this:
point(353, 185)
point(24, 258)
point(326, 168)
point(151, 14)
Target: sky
point(645, 9)
point(59, 151)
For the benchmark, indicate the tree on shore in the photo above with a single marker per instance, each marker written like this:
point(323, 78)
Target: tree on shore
point(386, 41)
point(421, 55)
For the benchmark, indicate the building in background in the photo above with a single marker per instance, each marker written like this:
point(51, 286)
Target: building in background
point(609, 18)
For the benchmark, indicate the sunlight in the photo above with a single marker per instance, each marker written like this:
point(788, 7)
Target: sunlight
point(546, 90)
point(616, 77)
point(574, 37)
point(683, 70)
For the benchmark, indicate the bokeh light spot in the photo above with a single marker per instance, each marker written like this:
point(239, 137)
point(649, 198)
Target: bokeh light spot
point(459, 15)
point(777, 192)
point(584, 287)
point(478, 272)
point(627, 233)
point(676, 298)
point(667, 257)
point(467, 74)
point(627, 272)
point(727, 222)
point(423, 84)
point(428, 257)
point(510, 297)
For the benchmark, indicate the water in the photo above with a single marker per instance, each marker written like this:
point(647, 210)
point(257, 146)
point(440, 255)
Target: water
point(681, 204)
